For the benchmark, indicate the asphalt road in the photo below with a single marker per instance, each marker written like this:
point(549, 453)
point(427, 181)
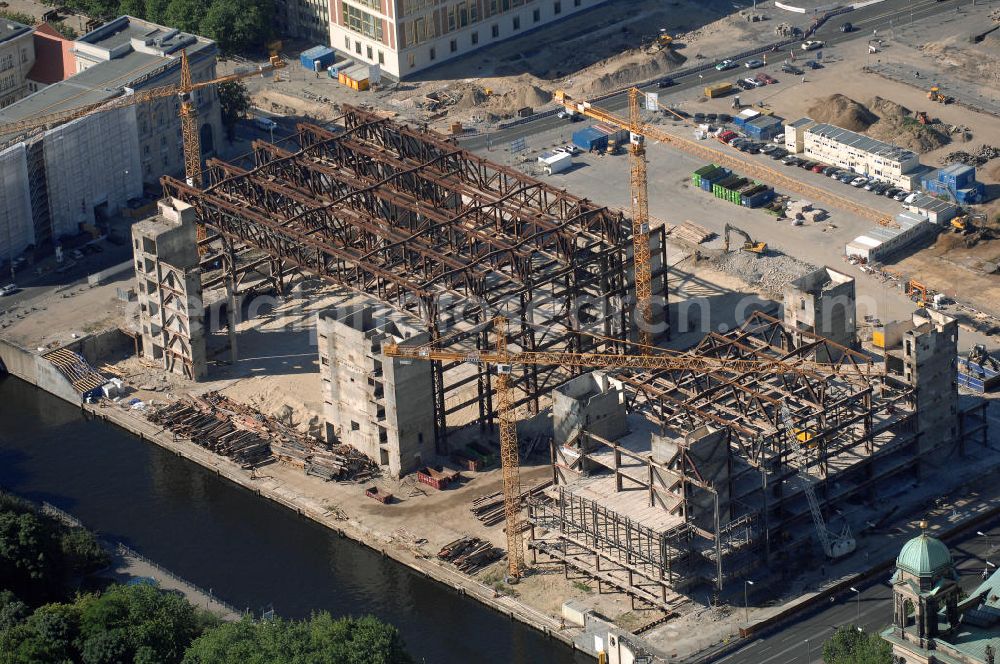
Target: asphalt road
point(880, 17)
point(802, 642)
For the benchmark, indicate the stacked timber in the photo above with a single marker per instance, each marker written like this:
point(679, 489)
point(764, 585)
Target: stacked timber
point(691, 232)
point(489, 508)
point(470, 554)
point(249, 438)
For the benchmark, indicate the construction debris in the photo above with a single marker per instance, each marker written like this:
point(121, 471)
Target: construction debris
point(470, 554)
point(768, 273)
point(489, 508)
point(244, 435)
point(983, 155)
point(690, 232)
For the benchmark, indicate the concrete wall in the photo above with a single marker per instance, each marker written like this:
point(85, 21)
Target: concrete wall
point(823, 302)
point(36, 370)
point(382, 406)
point(16, 228)
point(592, 402)
point(90, 162)
point(107, 346)
point(930, 352)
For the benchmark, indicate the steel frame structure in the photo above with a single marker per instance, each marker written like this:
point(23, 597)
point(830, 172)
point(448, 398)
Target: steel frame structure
point(406, 216)
point(862, 427)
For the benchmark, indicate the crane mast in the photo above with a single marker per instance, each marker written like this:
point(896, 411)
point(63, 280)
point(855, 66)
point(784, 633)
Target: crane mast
point(640, 222)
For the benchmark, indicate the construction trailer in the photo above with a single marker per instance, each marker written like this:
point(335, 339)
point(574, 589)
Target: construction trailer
point(714, 477)
point(412, 220)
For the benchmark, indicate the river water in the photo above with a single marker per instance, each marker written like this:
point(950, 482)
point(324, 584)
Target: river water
point(247, 550)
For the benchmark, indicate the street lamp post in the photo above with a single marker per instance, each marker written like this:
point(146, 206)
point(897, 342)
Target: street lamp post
point(859, 605)
point(746, 601)
point(982, 534)
point(808, 652)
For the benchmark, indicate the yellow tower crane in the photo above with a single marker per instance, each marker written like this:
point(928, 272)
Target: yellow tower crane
point(717, 156)
point(188, 110)
point(504, 359)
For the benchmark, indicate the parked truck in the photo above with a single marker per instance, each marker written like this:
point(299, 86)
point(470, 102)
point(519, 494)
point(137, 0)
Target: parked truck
point(720, 90)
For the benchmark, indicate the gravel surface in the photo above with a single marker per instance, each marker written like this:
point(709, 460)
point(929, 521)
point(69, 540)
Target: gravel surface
point(769, 273)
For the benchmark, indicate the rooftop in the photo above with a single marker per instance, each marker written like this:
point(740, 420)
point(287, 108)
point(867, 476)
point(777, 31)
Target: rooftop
point(925, 202)
point(860, 142)
point(125, 52)
point(11, 29)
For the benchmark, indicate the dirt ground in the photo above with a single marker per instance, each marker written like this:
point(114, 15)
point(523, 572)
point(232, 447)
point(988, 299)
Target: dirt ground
point(585, 55)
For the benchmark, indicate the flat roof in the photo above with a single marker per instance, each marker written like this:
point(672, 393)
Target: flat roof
point(801, 122)
point(861, 142)
point(925, 202)
point(11, 29)
point(106, 79)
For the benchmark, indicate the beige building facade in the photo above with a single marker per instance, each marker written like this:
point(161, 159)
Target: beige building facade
point(17, 57)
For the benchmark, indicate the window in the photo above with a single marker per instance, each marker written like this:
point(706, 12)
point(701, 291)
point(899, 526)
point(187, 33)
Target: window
point(381, 58)
point(361, 21)
point(357, 47)
point(474, 38)
point(370, 54)
point(453, 45)
point(355, 426)
point(347, 42)
point(517, 22)
point(411, 60)
point(433, 53)
point(495, 30)
point(557, 7)
point(536, 15)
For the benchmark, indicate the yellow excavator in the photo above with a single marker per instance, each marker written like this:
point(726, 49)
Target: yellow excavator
point(749, 245)
point(935, 94)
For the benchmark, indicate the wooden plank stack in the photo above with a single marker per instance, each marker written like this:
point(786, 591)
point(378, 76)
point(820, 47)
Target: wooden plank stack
point(470, 554)
point(691, 232)
point(489, 508)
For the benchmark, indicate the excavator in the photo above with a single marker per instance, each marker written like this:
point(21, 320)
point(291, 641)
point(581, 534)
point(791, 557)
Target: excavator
point(935, 94)
point(749, 245)
point(917, 292)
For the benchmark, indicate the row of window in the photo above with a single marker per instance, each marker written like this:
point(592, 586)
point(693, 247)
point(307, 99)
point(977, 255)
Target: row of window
point(368, 50)
point(8, 82)
point(361, 21)
point(536, 17)
point(464, 14)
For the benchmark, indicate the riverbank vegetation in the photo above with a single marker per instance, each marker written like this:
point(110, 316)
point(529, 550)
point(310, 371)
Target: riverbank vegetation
point(53, 609)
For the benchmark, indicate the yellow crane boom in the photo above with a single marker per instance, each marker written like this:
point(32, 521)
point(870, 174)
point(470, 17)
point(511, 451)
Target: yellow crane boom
point(717, 156)
point(504, 359)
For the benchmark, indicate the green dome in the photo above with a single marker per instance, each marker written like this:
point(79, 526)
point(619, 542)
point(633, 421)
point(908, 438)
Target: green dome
point(924, 556)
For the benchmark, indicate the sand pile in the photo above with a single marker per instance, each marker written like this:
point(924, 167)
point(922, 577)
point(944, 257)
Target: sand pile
point(472, 97)
point(634, 70)
point(843, 112)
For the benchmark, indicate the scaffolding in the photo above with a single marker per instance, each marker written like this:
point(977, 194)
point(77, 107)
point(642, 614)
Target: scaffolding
point(408, 217)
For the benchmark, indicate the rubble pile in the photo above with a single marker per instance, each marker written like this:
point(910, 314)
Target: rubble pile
point(470, 554)
point(249, 438)
point(769, 274)
point(981, 156)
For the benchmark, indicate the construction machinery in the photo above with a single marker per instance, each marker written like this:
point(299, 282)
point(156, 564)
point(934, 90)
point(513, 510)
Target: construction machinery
point(922, 118)
point(712, 155)
point(917, 292)
point(749, 245)
point(935, 94)
point(504, 360)
point(664, 40)
point(961, 224)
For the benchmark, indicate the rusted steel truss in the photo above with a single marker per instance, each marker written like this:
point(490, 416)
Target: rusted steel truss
point(408, 217)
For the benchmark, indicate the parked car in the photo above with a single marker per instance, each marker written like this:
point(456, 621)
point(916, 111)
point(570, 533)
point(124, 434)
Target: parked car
point(753, 64)
point(665, 82)
point(726, 64)
point(769, 148)
point(807, 165)
point(562, 115)
point(812, 64)
point(901, 196)
point(780, 153)
point(568, 149)
point(790, 160)
point(765, 79)
point(891, 191)
point(265, 124)
point(858, 182)
point(829, 170)
point(811, 45)
point(791, 69)
point(818, 168)
point(846, 177)
point(9, 289)
point(743, 85)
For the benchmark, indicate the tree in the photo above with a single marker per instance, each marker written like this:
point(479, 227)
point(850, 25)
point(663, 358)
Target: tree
point(156, 10)
point(237, 25)
point(849, 645)
point(185, 15)
point(320, 639)
point(234, 102)
point(48, 635)
point(133, 8)
point(29, 554)
point(12, 610)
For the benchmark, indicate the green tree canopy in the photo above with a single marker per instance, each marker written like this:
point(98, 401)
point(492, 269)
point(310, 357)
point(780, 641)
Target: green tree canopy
point(239, 26)
point(320, 639)
point(185, 15)
point(849, 645)
point(234, 102)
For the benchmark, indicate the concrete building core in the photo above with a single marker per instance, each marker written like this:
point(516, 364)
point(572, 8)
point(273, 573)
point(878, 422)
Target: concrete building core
point(382, 406)
point(168, 283)
point(823, 303)
point(930, 352)
point(594, 402)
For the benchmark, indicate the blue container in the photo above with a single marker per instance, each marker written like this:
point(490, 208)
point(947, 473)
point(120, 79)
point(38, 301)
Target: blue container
point(590, 139)
point(317, 58)
point(957, 176)
point(759, 198)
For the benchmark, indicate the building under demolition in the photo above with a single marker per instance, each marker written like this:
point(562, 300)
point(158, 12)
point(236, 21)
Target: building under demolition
point(447, 238)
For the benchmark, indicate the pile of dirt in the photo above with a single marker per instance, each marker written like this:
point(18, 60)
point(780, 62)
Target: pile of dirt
point(471, 98)
point(522, 93)
point(898, 126)
point(843, 112)
point(633, 70)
